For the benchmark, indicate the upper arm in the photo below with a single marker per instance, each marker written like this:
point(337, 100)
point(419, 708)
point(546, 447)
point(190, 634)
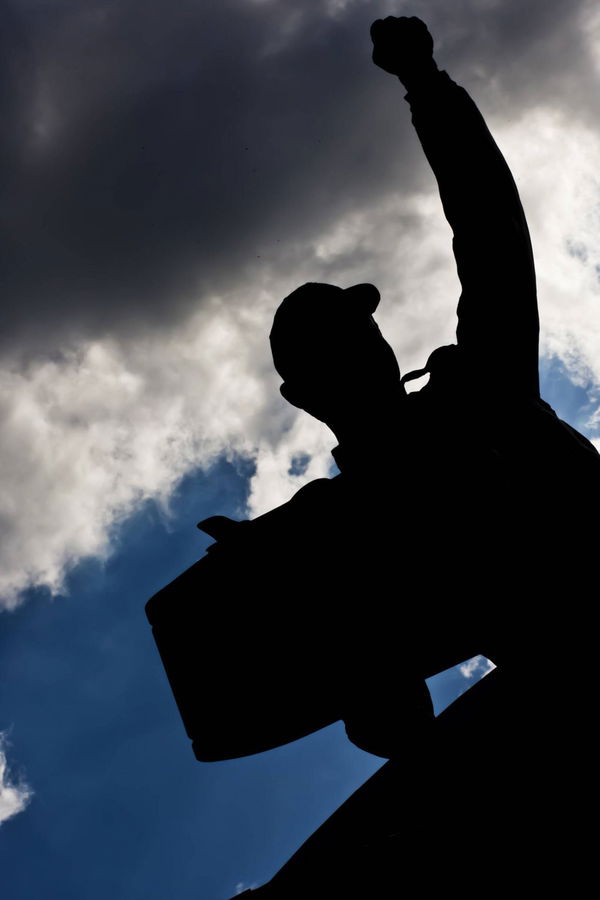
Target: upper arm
point(498, 322)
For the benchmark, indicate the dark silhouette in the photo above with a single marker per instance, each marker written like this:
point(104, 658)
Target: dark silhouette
point(445, 536)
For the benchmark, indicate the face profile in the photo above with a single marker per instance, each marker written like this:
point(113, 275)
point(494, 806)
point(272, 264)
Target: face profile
point(330, 352)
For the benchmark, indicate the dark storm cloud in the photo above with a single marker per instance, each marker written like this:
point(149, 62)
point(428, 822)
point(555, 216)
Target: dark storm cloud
point(157, 154)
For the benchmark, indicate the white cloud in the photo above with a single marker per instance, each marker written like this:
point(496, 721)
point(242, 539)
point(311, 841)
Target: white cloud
point(555, 161)
point(478, 665)
point(14, 796)
point(88, 437)
point(275, 480)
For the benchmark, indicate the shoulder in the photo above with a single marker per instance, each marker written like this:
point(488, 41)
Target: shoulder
point(565, 436)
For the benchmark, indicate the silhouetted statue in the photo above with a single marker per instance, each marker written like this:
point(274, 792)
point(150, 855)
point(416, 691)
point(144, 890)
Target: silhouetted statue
point(443, 537)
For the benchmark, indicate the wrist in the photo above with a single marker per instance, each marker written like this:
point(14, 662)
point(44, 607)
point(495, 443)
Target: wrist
point(419, 75)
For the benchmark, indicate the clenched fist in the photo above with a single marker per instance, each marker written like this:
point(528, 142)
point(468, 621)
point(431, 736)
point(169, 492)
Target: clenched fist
point(403, 47)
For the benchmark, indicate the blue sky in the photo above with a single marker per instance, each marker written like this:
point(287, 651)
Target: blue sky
point(120, 806)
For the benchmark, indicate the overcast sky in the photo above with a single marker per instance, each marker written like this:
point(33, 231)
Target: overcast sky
point(169, 172)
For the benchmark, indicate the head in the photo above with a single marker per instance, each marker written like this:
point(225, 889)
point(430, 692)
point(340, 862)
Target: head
point(330, 352)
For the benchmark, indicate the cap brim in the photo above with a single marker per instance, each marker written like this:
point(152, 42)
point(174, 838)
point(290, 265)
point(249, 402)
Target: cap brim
point(366, 295)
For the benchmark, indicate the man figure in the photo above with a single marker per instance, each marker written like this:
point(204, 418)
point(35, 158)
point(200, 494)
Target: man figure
point(476, 515)
point(495, 503)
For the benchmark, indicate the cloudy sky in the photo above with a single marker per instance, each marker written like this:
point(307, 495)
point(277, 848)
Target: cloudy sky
point(168, 173)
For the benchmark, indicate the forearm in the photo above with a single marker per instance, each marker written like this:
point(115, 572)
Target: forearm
point(471, 172)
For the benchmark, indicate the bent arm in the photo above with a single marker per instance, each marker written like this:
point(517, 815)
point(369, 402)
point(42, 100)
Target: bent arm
point(498, 323)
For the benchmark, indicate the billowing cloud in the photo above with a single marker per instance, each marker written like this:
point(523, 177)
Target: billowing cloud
point(169, 177)
point(92, 434)
point(477, 666)
point(14, 795)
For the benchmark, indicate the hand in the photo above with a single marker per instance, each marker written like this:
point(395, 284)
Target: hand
point(403, 47)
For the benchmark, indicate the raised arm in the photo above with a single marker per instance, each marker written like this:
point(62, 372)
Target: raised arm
point(498, 322)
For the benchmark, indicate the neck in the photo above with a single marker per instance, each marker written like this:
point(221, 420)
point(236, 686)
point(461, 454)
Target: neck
point(377, 418)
